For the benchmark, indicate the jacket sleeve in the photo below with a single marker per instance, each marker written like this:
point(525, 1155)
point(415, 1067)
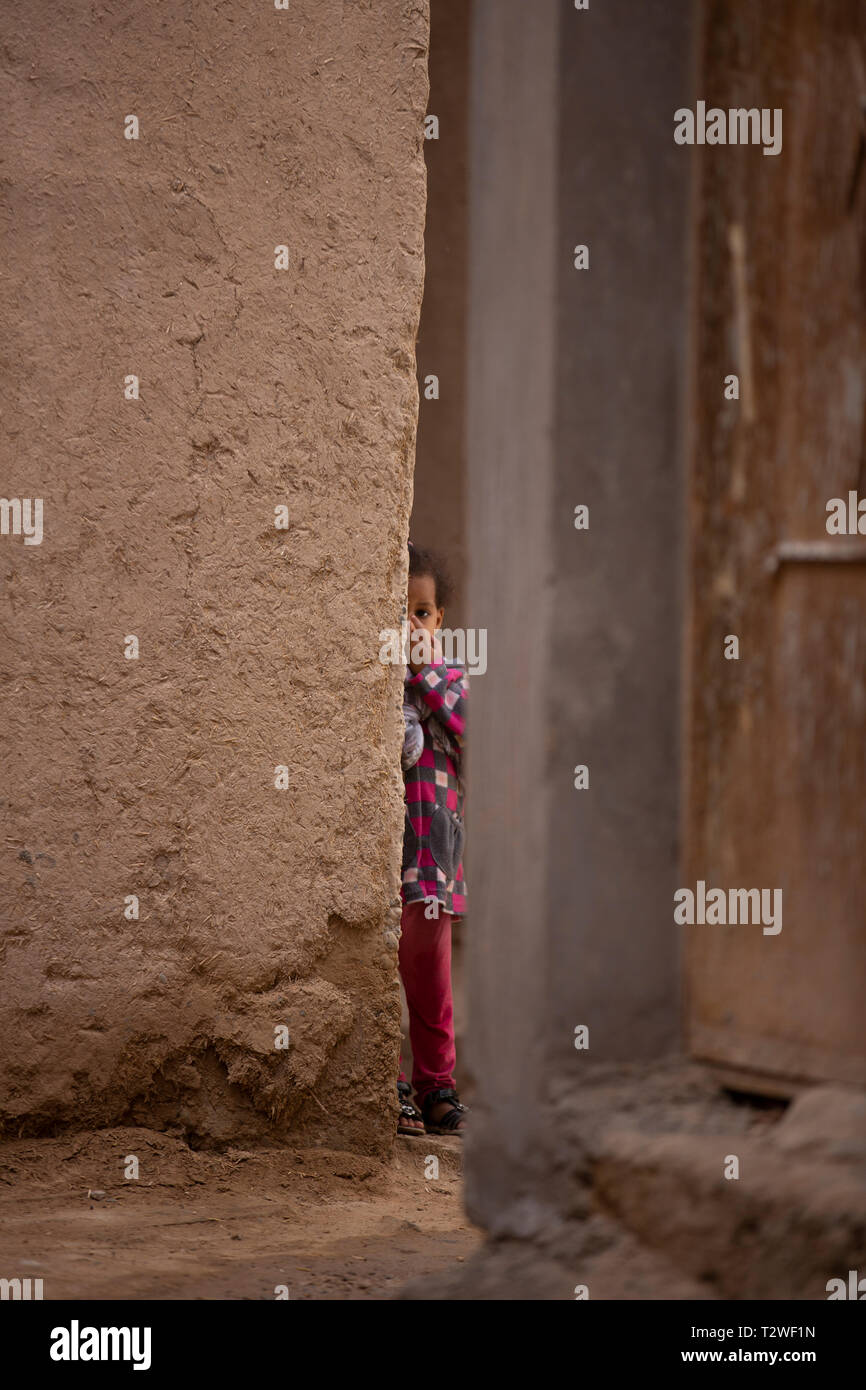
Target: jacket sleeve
point(445, 693)
point(413, 738)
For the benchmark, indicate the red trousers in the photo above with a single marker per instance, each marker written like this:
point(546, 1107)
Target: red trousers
point(425, 969)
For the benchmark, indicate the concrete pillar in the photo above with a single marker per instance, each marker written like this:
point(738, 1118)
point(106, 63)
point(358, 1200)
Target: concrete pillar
point(574, 399)
point(510, 450)
point(148, 785)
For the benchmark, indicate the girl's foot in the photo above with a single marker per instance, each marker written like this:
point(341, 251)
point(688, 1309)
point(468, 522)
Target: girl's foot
point(443, 1113)
point(410, 1121)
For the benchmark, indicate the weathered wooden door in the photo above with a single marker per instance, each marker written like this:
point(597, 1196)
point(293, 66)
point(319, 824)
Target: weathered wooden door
point(776, 743)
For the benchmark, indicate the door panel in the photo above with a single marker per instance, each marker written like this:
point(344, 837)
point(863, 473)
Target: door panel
point(776, 741)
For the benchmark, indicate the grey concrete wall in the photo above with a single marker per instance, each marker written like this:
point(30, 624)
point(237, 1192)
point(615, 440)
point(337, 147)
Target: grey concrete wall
point(620, 388)
point(510, 449)
point(259, 387)
point(574, 398)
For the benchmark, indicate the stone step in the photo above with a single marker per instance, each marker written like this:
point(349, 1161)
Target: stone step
point(781, 1230)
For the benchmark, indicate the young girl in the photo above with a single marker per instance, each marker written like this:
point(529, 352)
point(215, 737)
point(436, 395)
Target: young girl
point(433, 888)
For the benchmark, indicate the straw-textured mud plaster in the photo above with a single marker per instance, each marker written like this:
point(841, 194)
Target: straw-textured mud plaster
point(259, 388)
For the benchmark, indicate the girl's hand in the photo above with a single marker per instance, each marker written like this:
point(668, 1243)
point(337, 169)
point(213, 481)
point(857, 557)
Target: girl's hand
point(424, 645)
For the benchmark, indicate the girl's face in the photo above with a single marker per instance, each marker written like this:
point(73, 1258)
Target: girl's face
point(422, 610)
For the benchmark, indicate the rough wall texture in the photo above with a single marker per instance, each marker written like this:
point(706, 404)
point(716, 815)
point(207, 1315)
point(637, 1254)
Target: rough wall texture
point(259, 387)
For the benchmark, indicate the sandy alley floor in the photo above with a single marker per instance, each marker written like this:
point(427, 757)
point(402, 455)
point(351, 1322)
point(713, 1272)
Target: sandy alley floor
point(327, 1225)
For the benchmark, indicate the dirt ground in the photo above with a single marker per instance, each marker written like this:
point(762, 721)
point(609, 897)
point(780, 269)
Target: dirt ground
point(325, 1224)
point(650, 1216)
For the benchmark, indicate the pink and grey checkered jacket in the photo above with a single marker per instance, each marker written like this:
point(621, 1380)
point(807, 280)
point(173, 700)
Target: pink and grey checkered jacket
point(435, 706)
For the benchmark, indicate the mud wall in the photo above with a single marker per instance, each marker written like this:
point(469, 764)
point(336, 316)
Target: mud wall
point(266, 380)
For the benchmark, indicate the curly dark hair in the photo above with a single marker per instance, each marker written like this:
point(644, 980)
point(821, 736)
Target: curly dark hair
point(426, 562)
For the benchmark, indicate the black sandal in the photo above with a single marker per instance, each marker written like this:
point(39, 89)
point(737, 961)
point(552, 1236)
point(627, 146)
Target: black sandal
point(449, 1122)
point(408, 1112)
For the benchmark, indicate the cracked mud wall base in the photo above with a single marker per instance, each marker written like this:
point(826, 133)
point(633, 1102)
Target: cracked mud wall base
point(258, 388)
